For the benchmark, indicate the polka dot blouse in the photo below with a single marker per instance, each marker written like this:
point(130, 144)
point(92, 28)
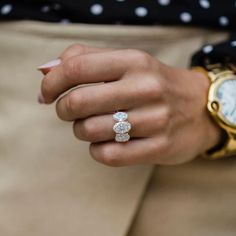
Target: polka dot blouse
point(202, 13)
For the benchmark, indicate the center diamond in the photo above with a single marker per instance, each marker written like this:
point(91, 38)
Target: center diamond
point(122, 127)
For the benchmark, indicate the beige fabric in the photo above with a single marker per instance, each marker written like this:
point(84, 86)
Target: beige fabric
point(49, 185)
point(194, 199)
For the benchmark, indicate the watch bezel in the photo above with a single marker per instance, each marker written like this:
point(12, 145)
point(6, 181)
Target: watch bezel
point(214, 103)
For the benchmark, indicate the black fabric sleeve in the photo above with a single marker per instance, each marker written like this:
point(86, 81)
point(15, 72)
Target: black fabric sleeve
point(216, 14)
point(223, 52)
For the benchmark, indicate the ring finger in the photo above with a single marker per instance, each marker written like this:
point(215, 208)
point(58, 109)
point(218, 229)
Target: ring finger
point(145, 121)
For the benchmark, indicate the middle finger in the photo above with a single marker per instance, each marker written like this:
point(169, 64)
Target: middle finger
point(146, 121)
point(104, 98)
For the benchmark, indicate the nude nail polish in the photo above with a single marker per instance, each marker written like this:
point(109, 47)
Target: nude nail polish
point(50, 64)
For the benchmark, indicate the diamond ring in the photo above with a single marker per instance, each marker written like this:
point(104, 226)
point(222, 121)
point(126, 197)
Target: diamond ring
point(121, 127)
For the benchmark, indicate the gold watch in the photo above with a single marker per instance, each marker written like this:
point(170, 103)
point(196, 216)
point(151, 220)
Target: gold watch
point(222, 105)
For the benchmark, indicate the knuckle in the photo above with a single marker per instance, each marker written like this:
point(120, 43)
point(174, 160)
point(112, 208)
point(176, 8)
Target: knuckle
point(150, 88)
point(155, 87)
point(109, 156)
point(87, 129)
point(142, 58)
point(73, 50)
point(155, 84)
point(71, 47)
point(72, 103)
point(77, 104)
point(164, 119)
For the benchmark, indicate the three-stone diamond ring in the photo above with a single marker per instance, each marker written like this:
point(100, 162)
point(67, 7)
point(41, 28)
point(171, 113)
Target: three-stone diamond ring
point(121, 127)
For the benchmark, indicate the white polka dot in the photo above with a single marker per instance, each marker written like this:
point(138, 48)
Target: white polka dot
point(56, 6)
point(185, 17)
point(233, 43)
point(223, 21)
point(141, 11)
point(164, 2)
point(207, 49)
point(6, 9)
point(65, 21)
point(45, 9)
point(204, 4)
point(96, 9)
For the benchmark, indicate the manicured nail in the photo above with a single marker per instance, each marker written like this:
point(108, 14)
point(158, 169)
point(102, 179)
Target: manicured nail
point(50, 64)
point(41, 98)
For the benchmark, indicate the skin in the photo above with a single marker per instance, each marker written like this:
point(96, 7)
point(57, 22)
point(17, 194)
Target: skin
point(166, 105)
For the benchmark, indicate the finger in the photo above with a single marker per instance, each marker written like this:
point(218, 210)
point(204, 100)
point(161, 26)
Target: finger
point(104, 98)
point(81, 49)
point(90, 68)
point(71, 51)
point(145, 122)
point(133, 152)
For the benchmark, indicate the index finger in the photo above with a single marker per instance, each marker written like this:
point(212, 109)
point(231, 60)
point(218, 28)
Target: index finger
point(71, 51)
point(81, 49)
point(89, 68)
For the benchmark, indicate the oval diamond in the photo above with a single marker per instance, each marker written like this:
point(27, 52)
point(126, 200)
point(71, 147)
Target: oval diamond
point(120, 116)
point(122, 138)
point(122, 127)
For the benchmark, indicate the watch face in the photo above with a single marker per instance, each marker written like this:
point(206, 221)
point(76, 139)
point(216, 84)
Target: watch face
point(226, 95)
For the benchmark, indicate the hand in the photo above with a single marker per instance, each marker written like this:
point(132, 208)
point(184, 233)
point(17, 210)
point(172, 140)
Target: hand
point(166, 105)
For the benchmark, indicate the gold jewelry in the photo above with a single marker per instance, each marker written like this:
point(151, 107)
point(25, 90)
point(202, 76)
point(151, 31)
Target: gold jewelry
point(222, 105)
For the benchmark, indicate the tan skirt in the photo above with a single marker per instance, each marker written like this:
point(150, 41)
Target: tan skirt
point(49, 185)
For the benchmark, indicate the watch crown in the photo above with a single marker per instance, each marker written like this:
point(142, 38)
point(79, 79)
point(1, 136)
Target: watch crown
point(215, 106)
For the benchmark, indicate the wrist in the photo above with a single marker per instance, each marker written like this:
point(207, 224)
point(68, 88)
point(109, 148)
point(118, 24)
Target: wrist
point(221, 109)
point(213, 135)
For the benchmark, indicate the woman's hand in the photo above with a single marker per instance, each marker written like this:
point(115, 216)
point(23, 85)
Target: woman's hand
point(166, 105)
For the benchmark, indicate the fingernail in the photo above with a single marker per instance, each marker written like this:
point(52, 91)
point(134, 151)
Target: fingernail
point(41, 98)
point(50, 64)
